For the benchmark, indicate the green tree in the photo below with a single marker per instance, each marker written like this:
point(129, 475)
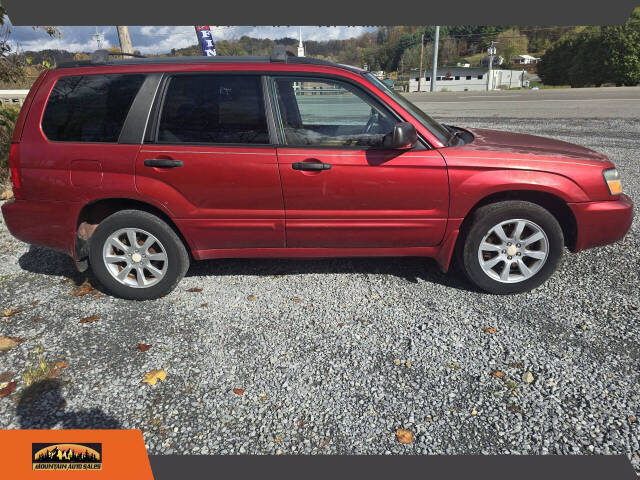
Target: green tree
point(623, 43)
point(511, 43)
point(12, 66)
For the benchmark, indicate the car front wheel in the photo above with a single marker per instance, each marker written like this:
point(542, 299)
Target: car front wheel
point(137, 256)
point(511, 247)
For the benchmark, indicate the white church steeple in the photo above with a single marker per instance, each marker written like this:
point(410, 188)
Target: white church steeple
point(300, 46)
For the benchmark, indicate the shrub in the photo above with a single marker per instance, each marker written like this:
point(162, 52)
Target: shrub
point(8, 117)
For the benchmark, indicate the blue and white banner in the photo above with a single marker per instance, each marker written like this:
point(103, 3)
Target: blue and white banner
point(206, 40)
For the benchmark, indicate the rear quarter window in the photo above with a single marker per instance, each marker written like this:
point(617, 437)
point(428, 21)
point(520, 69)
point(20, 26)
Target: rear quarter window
point(89, 108)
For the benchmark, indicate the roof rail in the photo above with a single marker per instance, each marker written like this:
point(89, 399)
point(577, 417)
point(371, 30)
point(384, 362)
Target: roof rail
point(279, 54)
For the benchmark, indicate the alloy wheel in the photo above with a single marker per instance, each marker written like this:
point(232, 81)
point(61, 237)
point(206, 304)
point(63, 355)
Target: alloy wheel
point(513, 251)
point(135, 258)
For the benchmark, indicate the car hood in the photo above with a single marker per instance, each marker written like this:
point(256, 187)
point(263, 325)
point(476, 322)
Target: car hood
point(519, 143)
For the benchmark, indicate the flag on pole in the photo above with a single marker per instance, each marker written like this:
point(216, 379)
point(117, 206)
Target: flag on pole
point(206, 40)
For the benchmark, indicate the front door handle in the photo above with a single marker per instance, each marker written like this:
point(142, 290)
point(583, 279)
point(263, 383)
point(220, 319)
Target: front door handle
point(310, 166)
point(162, 163)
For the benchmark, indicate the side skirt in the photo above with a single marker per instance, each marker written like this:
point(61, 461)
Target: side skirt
point(441, 253)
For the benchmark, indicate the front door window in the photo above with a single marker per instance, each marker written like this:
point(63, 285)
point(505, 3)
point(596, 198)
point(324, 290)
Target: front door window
point(322, 112)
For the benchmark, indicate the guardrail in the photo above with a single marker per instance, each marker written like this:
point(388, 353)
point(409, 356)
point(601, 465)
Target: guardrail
point(318, 91)
point(13, 97)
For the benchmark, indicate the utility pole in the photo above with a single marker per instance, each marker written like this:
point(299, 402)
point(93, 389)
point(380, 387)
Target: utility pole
point(421, 55)
point(435, 59)
point(491, 51)
point(125, 40)
point(98, 37)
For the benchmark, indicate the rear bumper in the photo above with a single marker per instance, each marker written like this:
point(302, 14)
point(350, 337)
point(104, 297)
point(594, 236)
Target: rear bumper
point(602, 223)
point(49, 224)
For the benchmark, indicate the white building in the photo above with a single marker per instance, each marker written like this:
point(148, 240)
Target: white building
point(463, 79)
point(525, 60)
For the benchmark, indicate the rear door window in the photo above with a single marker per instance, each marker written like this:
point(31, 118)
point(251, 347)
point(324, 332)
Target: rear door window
point(218, 109)
point(89, 108)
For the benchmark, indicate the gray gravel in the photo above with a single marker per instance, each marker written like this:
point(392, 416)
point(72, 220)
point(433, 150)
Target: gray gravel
point(321, 348)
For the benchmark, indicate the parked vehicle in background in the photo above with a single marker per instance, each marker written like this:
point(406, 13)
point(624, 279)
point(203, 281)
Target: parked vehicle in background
point(134, 167)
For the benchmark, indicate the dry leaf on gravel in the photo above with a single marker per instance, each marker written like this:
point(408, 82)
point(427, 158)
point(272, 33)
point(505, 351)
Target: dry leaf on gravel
point(143, 347)
point(296, 300)
point(82, 290)
point(153, 376)
point(37, 319)
point(497, 374)
point(56, 370)
point(404, 436)
point(195, 290)
point(90, 319)
point(251, 298)
point(278, 439)
point(7, 343)
point(10, 312)
point(7, 389)
point(490, 330)
point(238, 391)
point(528, 377)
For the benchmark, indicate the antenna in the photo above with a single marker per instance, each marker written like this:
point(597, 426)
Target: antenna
point(99, 38)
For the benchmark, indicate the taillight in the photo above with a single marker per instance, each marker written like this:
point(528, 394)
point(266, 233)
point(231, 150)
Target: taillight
point(14, 169)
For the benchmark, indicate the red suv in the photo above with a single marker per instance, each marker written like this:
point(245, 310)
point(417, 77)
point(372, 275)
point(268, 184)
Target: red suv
point(135, 166)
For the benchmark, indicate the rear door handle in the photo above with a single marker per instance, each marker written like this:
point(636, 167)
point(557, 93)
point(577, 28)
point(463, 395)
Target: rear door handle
point(162, 163)
point(310, 166)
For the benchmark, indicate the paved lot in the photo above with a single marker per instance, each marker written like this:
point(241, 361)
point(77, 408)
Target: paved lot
point(333, 356)
point(594, 103)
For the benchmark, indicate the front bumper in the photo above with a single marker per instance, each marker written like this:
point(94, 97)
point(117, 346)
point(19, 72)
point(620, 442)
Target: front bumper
point(49, 224)
point(602, 223)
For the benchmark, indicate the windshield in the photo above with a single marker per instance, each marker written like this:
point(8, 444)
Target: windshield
point(437, 129)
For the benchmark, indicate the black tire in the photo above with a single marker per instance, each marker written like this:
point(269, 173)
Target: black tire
point(177, 256)
point(490, 215)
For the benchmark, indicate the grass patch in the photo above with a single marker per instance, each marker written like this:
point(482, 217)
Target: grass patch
point(41, 368)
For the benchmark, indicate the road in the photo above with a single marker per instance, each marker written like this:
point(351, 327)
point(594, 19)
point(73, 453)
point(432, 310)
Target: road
point(606, 102)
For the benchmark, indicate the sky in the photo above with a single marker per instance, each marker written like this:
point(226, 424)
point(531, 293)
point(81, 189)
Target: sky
point(161, 39)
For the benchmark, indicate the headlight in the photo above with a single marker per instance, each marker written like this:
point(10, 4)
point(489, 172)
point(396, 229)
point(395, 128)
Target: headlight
point(612, 177)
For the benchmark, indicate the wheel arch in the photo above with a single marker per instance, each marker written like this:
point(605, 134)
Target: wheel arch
point(555, 205)
point(95, 211)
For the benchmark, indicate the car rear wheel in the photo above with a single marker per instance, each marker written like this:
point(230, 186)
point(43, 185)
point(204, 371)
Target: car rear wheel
point(137, 256)
point(511, 247)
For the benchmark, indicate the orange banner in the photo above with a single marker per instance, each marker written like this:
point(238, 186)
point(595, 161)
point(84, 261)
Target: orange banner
point(99, 454)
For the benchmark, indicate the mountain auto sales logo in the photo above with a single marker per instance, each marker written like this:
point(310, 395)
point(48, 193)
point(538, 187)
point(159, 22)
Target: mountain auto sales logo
point(66, 456)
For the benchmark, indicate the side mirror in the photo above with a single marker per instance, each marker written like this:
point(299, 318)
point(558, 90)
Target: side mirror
point(403, 137)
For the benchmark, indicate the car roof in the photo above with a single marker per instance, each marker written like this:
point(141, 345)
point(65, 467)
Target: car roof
point(101, 58)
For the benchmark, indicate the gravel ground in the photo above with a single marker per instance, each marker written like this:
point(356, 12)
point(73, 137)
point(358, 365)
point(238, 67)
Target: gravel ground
point(335, 355)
